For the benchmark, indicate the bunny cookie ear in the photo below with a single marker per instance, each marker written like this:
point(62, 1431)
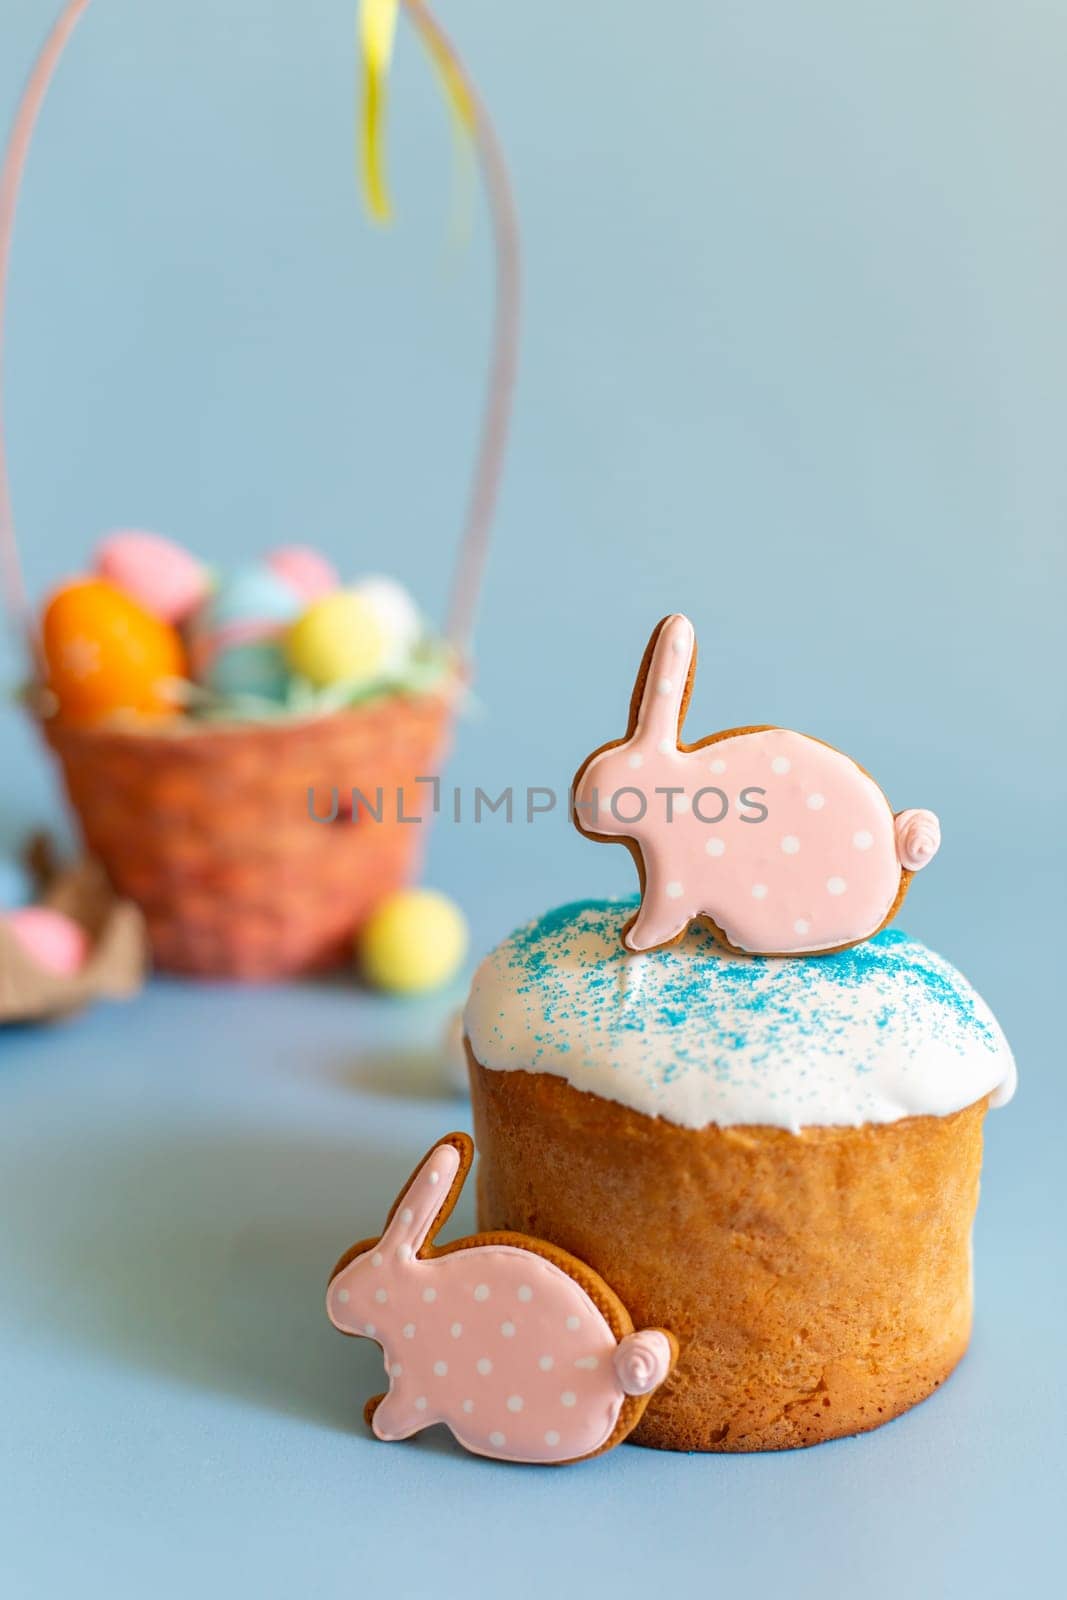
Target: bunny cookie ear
point(662, 688)
point(428, 1197)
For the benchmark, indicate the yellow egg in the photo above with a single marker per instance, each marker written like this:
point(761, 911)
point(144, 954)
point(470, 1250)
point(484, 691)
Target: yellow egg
point(337, 640)
point(415, 941)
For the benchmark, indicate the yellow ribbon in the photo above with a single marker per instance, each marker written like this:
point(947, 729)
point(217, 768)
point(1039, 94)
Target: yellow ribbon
point(377, 34)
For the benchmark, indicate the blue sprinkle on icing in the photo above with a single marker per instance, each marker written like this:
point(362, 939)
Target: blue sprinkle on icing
point(697, 1034)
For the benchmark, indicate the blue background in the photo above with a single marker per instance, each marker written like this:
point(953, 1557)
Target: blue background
point(794, 360)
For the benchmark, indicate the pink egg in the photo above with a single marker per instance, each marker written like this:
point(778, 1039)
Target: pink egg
point(307, 573)
point(55, 941)
point(162, 577)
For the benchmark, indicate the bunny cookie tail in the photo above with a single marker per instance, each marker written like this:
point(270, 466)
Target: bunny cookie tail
point(918, 838)
point(643, 1360)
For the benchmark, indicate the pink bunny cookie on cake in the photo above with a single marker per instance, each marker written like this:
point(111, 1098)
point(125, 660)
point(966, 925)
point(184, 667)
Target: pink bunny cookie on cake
point(781, 843)
point(523, 1351)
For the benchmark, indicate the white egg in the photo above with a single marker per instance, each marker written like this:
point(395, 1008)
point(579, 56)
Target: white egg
point(397, 615)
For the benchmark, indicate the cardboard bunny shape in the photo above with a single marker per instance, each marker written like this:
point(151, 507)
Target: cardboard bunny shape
point(523, 1351)
point(780, 843)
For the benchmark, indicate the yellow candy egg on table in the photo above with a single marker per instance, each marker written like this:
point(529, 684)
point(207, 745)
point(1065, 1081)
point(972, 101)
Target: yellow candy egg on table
point(105, 653)
point(415, 941)
point(337, 640)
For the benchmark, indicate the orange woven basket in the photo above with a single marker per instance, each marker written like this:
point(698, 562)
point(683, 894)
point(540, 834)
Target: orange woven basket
point(212, 828)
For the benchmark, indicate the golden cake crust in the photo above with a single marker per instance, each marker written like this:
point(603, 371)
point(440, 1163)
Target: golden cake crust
point(818, 1283)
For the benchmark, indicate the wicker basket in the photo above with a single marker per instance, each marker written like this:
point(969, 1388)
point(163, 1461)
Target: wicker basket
point(210, 830)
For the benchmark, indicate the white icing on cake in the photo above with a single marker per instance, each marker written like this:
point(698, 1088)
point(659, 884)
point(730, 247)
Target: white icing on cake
point(697, 1035)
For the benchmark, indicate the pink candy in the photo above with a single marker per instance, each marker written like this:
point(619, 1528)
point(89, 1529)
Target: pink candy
point(162, 577)
point(54, 941)
point(309, 575)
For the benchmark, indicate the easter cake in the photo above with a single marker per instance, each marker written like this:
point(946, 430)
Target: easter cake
point(743, 1098)
point(776, 1158)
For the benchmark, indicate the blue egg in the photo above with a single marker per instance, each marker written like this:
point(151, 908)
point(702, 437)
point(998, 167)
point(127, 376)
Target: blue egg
point(16, 885)
point(252, 594)
point(259, 669)
point(249, 665)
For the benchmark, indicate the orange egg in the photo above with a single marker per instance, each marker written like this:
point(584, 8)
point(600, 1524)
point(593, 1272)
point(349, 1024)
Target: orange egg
point(106, 654)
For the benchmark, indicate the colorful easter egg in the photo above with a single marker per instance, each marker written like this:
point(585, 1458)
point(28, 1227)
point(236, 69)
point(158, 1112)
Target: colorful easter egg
point(396, 614)
point(308, 574)
point(54, 941)
point(162, 577)
point(16, 884)
point(105, 653)
point(338, 640)
point(237, 635)
point(415, 941)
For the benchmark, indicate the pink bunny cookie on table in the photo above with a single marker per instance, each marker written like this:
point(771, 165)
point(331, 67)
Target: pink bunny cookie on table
point(781, 843)
point(523, 1351)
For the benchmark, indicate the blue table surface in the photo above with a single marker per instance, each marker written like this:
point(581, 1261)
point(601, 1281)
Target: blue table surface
point(794, 361)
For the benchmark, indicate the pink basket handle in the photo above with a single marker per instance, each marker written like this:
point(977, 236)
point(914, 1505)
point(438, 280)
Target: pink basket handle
point(474, 543)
